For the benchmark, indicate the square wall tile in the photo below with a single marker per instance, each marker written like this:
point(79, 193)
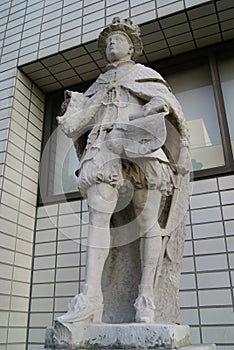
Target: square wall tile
point(17, 335)
point(70, 233)
point(67, 274)
point(215, 297)
point(210, 246)
point(189, 316)
point(20, 288)
point(5, 302)
point(67, 260)
point(22, 274)
point(19, 304)
point(211, 262)
point(228, 212)
point(41, 320)
point(37, 336)
point(61, 304)
point(213, 280)
point(70, 207)
point(46, 223)
point(217, 315)
point(18, 319)
point(40, 305)
point(45, 248)
point(187, 281)
point(44, 262)
point(23, 260)
point(69, 220)
point(203, 186)
point(188, 264)
point(69, 246)
point(204, 200)
point(218, 334)
point(188, 299)
point(229, 226)
point(205, 230)
point(47, 211)
point(43, 276)
point(67, 289)
point(206, 215)
point(4, 318)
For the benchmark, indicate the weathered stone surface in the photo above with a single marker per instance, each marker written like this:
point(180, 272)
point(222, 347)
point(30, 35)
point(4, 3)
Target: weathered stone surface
point(199, 347)
point(132, 336)
point(123, 336)
point(191, 347)
point(130, 135)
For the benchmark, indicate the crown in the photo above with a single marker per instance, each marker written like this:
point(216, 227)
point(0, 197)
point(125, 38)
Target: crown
point(127, 27)
point(129, 23)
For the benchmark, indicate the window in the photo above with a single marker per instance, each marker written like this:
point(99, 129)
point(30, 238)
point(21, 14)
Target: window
point(193, 88)
point(63, 164)
point(58, 160)
point(202, 81)
point(226, 72)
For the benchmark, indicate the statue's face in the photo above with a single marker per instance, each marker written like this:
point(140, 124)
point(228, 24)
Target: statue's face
point(118, 47)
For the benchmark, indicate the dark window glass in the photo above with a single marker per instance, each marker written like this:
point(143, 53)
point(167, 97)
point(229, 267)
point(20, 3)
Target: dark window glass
point(194, 90)
point(226, 72)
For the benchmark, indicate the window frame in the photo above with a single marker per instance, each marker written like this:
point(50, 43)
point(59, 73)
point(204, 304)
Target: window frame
point(164, 66)
point(210, 53)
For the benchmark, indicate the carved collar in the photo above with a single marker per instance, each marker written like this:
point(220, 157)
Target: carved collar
point(119, 63)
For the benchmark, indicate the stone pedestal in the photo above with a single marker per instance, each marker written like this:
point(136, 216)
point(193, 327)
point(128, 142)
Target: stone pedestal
point(121, 336)
point(199, 347)
point(133, 336)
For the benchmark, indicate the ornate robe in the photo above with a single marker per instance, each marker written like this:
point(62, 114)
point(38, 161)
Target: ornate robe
point(123, 91)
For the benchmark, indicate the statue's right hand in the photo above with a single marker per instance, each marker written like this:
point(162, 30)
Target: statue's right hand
point(60, 120)
point(67, 98)
point(67, 95)
point(63, 107)
point(68, 125)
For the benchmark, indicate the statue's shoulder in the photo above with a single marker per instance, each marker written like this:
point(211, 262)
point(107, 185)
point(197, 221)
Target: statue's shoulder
point(98, 85)
point(144, 72)
point(92, 89)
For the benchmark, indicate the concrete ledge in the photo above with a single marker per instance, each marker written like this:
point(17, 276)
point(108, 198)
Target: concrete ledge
point(76, 336)
point(131, 336)
point(191, 347)
point(199, 347)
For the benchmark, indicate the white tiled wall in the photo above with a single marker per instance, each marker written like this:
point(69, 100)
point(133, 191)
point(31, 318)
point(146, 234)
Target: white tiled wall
point(45, 27)
point(58, 263)
point(17, 210)
point(206, 281)
point(33, 29)
point(207, 285)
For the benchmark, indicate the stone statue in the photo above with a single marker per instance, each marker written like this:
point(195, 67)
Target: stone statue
point(132, 142)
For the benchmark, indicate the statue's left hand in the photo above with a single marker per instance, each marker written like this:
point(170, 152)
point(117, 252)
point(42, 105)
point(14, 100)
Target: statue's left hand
point(155, 105)
point(181, 169)
point(151, 108)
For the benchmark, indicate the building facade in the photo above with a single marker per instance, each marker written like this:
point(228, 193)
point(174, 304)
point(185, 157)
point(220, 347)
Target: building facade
point(48, 46)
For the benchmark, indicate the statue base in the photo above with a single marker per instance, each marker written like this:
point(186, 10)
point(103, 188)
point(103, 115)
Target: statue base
point(120, 336)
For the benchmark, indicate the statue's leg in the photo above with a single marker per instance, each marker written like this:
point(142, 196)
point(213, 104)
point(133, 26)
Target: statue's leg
point(102, 199)
point(147, 205)
point(88, 305)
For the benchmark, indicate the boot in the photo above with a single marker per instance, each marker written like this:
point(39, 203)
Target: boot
point(144, 305)
point(83, 308)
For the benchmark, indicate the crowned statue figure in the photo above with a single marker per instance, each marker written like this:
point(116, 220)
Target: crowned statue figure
point(132, 143)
